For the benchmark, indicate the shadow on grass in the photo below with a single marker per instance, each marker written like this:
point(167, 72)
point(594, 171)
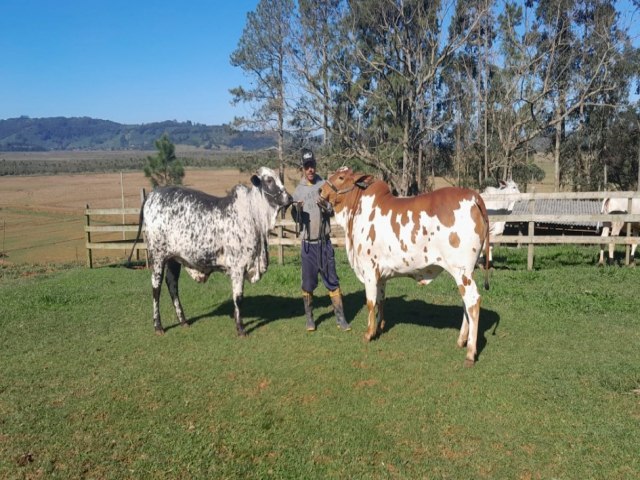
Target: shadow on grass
point(399, 311)
point(261, 310)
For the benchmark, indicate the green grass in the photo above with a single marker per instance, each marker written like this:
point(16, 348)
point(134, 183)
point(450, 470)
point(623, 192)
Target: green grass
point(88, 391)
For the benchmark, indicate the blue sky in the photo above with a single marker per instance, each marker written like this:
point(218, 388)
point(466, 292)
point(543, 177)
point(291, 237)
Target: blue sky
point(130, 61)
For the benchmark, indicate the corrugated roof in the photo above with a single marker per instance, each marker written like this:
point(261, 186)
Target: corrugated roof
point(562, 207)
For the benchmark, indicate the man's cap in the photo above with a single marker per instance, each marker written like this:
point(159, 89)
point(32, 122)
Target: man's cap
point(307, 157)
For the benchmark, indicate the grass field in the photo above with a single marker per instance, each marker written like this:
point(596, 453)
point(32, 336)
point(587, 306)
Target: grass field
point(88, 391)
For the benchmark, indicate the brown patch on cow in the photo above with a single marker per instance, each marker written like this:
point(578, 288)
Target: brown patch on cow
point(454, 239)
point(480, 218)
point(404, 260)
point(368, 252)
point(359, 249)
point(416, 226)
point(474, 310)
point(439, 259)
point(403, 246)
point(466, 281)
point(461, 289)
point(372, 234)
point(372, 215)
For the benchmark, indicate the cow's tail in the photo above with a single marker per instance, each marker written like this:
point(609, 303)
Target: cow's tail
point(485, 217)
point(140, 220)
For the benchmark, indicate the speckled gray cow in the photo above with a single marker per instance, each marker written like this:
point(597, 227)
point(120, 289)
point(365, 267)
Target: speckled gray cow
point(205, 234)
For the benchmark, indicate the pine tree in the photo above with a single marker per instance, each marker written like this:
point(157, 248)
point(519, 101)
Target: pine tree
point(164, 168)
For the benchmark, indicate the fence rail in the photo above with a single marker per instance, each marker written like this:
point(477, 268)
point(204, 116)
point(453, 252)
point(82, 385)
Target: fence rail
point(285, 235)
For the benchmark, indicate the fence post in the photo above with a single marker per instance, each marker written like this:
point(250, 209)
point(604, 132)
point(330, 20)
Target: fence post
point(281, 246)
point(530, 232)
point(88, 239)
point(143, 197)
point(627, 247)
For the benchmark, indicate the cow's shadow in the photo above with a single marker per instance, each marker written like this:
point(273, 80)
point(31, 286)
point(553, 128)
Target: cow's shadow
point(257, 311)
point(261, 310)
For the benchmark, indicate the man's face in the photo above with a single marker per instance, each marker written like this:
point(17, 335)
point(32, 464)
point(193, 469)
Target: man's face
point(309, 171)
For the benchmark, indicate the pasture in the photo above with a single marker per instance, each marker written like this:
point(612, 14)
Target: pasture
point(88, 391)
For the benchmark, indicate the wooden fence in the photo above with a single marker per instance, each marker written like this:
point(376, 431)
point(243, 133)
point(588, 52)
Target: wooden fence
point(284, 234)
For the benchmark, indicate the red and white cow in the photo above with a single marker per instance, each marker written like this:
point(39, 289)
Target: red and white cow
point(415, 237)
point(618, 205)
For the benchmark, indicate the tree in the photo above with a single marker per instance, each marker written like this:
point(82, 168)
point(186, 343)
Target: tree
point(164, 168)
point(262, 52)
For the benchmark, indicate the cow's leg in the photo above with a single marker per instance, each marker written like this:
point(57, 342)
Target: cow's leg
point(173, 275)
point(371, 291)
point(604, 234)
point(470, 322)
point(375, 292)
point(616, 228)
point(157, 273)
point(237, 287)
point(382, 287)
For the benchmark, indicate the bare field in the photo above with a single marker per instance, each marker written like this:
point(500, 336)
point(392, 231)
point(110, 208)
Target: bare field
point(42, 217)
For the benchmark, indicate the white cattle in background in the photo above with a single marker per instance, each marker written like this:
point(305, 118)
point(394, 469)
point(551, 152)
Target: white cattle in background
point(499, 207)
point(618, 205)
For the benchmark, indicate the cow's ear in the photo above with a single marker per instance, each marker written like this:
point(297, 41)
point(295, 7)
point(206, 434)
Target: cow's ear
point(255, 180)
point(364, 181)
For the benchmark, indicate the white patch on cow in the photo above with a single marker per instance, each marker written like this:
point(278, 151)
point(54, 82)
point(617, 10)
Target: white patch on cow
point(619, 205)
point(499, 207)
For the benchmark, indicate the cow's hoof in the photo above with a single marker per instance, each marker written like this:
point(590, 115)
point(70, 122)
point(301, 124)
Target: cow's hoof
point(185, 324)
point(469, 363)
point(368, 337)
point(160, 331)
point(381, 325)
point(242, 333)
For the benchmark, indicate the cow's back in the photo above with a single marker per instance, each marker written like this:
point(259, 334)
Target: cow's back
point(405, 236)
point(610, 205)
point(200, 229)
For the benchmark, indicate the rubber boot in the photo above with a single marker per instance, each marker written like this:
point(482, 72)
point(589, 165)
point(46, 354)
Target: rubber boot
point(308, 310)
point(338, 309)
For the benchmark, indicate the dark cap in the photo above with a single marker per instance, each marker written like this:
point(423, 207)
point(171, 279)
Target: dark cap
point(307, 157)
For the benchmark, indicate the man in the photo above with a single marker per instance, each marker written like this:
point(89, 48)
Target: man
point(312, 214)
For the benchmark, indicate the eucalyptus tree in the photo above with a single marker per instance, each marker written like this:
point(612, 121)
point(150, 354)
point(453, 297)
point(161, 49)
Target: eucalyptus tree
point(387, 79)
point(467, 80)
point(582, 64)
point(316, 44)
point(262, 53)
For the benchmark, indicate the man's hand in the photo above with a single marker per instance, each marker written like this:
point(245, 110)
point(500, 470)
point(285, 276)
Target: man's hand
point(324, 205)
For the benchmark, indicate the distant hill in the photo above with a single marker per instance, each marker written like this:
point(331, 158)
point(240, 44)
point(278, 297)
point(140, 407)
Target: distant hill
point(26, 134)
